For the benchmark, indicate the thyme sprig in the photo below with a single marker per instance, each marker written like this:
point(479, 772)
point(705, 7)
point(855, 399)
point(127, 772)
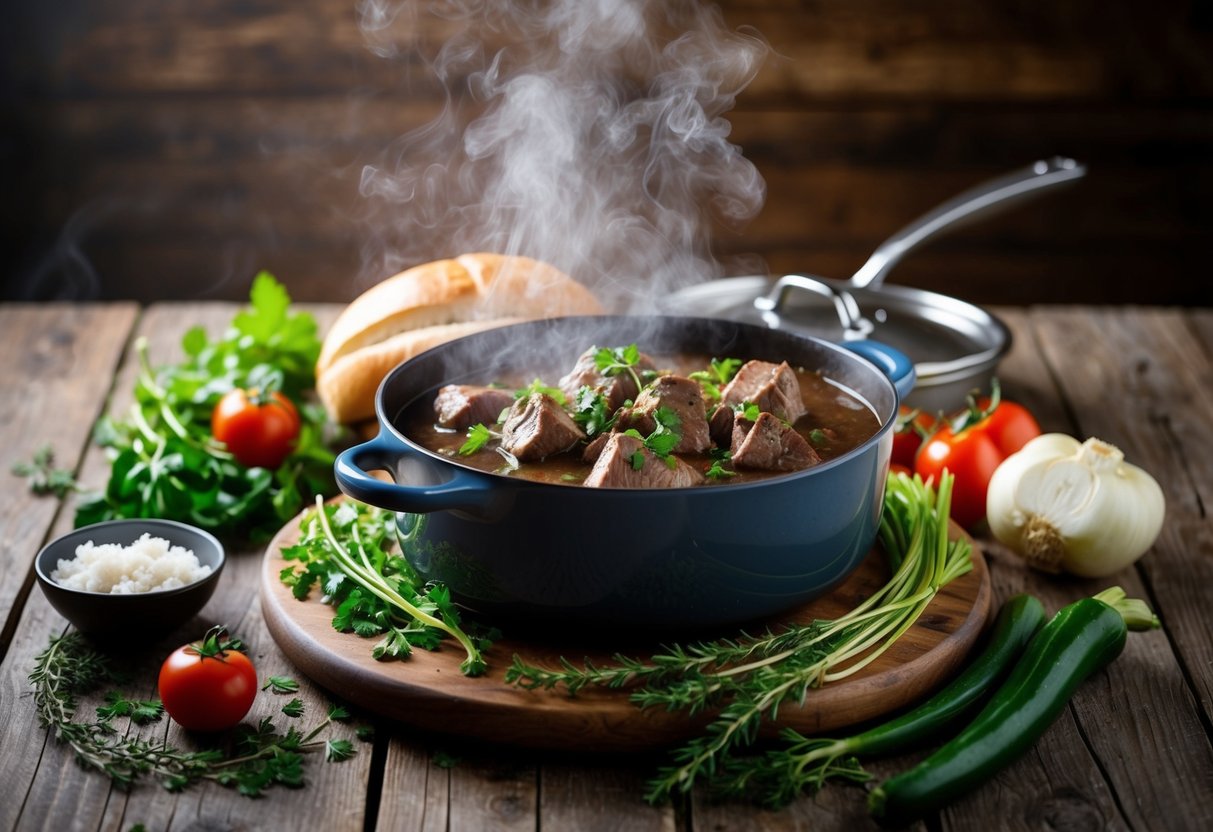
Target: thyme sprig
point(68, 668)
point(746, 680)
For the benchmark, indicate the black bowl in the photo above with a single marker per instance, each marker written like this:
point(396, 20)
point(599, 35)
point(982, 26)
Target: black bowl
point(143, 616)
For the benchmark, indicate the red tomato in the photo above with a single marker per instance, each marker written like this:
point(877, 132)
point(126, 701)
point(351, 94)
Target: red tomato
point(912, 426)
point(260, 431)
point(993, 431)
point(897, 468)
point(207, 686)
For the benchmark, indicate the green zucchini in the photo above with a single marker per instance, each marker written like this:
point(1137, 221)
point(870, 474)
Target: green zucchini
point(1080, 640)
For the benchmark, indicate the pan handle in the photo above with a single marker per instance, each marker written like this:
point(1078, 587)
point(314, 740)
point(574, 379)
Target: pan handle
point(983, 200)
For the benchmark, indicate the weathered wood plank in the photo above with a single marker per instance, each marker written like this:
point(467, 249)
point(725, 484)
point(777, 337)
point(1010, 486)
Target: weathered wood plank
point(185, 198)
point(945, 49)
point(599, 795)
point(59, 362)
point(415, 796)
point(1140, 380)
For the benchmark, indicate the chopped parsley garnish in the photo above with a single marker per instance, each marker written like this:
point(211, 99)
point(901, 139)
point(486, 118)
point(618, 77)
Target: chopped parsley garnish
point(748, 410)
point(819, 437)
point(478, 437)
point(662, 441)
point(592, 413)
point(718, 472)
point(612, 361)
point(719, 373)
point(537, 386)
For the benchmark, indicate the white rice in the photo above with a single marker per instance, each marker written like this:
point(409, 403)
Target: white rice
point(148, 564)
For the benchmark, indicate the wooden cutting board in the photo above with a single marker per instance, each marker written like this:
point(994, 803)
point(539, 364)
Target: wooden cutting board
point(428, 691)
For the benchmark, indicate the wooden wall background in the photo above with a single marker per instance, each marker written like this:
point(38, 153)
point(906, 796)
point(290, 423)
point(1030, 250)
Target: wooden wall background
point(171, 148)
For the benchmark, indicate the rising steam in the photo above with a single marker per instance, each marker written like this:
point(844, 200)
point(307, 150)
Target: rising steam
point(586, 133)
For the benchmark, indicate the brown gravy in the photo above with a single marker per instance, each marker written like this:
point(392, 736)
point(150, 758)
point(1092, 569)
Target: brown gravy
point(837, 421)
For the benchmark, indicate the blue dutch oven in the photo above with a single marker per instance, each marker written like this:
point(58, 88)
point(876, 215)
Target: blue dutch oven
point(654, 559)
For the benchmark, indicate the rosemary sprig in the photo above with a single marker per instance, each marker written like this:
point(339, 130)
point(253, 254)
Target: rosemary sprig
point(747, 680)
point(68, 668)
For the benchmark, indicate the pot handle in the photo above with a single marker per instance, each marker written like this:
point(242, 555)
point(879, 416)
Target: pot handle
point(464, 490)
point(892, 362)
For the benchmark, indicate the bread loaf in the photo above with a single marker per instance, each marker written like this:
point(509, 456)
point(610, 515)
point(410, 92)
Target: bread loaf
point(426, 306)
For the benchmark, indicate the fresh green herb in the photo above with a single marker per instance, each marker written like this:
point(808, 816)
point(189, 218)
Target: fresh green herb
point(281, 684)
point(661, 442)
point(294, 708)
point(478, 436)
point(613, 361)
point(748, 410)
point(592, 412)
point(68, 668)
point(164, 461)
point(818, 438)
point(747, 679)
point(717, 471)
point(718, 374)
point(537, 386)
point(43, 476)
point(365, 733)
point(344, 549)
point(140, 711)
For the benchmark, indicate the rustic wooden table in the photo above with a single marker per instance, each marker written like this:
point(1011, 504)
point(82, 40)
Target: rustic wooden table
point(1131, 752)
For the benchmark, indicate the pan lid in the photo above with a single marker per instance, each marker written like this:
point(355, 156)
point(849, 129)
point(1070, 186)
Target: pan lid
point(948, 339)
point(951, 342)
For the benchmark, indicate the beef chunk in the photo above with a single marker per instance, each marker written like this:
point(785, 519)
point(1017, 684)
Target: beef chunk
point(769, 444)
point(615, 468)
point(681, 395)
point(773, 387)
point(594, 449)
point(537, 427)
point(720, 426)
point(616, 389)
point(460, 406)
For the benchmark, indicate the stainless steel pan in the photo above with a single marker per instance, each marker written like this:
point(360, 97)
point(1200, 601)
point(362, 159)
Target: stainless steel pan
point(955, 345)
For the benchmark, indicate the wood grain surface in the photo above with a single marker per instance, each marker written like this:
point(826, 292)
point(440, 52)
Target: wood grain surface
point(1132, 751)
point(428, 691)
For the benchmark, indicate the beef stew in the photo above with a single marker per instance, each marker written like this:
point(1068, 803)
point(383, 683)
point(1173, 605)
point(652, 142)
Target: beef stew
point(623, 419)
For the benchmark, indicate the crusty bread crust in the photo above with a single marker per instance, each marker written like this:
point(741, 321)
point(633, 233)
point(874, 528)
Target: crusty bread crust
point(347, 389)
point(426, 306)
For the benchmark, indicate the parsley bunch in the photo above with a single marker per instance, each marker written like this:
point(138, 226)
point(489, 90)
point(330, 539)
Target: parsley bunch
point(166, 464)
point(343, 549)
point(68, 668)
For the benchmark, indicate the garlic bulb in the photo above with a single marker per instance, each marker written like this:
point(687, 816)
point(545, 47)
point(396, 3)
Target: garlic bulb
point(1074, 507)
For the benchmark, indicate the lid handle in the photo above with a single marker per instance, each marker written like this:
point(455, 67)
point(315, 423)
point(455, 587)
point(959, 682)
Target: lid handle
point(990, 197)
point(855, 326)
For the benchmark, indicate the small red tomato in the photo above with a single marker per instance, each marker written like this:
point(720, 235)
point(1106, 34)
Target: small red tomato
point(898, 468)
point(971, 446)
point(912, 425)
point(260, 430)
point(209, 685)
